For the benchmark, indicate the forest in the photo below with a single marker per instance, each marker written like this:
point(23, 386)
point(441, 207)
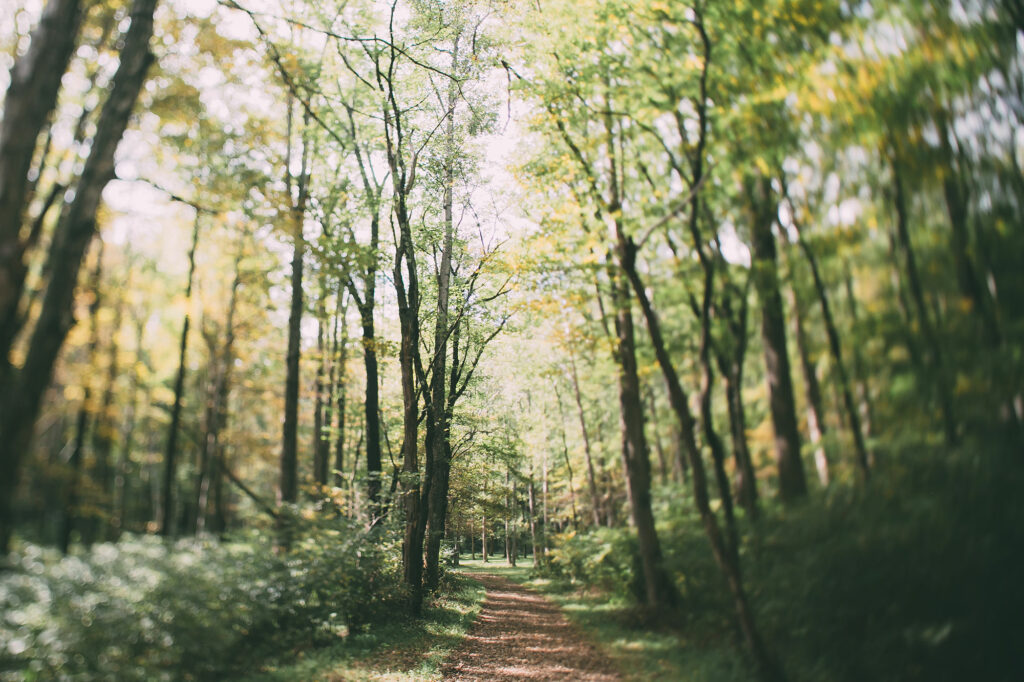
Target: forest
point(703, 319)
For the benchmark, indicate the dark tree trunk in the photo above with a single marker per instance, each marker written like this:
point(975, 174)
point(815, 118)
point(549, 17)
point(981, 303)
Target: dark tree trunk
point(21, 396)
point(321, 443)
point(725, 557)
point(636, 464)
point(288, 486)
point(28, 105)
point(171, 451)
point(213, 464)
point(792, 481)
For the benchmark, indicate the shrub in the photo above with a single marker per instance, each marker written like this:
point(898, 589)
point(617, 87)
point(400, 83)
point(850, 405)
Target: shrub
point(145, 610)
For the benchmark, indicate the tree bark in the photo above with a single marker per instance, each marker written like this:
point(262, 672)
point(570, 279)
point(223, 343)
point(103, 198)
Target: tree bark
point(792, 481)
point(20, 397)
point(31, 97)
point(726, 559)
point(288, 485)
point(167, 497)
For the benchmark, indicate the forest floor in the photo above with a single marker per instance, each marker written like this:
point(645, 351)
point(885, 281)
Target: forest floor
point(521, 635)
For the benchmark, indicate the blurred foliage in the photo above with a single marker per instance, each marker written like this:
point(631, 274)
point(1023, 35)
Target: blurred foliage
point(912, 578)
point(144, 610)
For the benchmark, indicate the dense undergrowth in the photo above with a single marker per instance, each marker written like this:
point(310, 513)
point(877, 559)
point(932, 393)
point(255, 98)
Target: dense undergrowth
point(912, 577)
point(142, 609)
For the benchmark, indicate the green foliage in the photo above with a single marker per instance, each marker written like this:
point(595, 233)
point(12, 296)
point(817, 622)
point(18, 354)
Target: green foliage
point(141, 610)
point(912, 578)
point(604, 558)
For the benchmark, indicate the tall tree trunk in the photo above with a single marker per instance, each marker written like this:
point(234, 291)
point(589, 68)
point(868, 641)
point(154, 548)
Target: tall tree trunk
point(483, 537)
point(212, 474)
point(31, 97)
point(725, 557)
point(288, 486)
point(864, 406)
point(792, 481)
point(835, 347)
point(167, 499)
point(341, 391)
point(658, 590)
point(714, 442)
point(120, 504)
point(21, 396)
point(320, 439)
point(812, 388)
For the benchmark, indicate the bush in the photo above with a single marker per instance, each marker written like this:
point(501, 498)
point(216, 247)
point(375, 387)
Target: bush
point(605, 558)
point(143, 610)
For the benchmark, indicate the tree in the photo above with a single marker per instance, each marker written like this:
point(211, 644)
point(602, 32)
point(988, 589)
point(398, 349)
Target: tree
point(21, 390)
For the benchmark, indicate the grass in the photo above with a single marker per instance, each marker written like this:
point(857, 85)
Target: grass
point(640, 648)
point(407, 650)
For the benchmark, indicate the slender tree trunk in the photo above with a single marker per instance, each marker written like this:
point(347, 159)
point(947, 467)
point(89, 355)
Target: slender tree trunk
point(812, 389)
point(792, 481)
point(544, 508)
point(167, 498)
point(727, 560)
point(532, 501)
point(214, 465)
point(658, 588)
point(321, 410)
point(340, 354)
point(832, 332)
point(483, 537)
point(288, 485)
point(864, 406)
point(656, 432)
point(120, 505)
point(706, 418)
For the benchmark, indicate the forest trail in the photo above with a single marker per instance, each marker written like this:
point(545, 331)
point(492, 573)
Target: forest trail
point(520, 635)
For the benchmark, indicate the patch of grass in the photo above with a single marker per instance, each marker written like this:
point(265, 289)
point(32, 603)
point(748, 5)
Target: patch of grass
point(639, 647)
point(402, 649)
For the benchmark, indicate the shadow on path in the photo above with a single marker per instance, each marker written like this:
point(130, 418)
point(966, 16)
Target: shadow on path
point(520, 635)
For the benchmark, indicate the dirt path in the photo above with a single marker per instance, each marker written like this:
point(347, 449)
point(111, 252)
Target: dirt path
point(520, 635)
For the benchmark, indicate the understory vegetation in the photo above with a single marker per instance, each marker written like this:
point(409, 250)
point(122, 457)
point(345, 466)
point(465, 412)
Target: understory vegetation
point(141, 609)
point(856, 584)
